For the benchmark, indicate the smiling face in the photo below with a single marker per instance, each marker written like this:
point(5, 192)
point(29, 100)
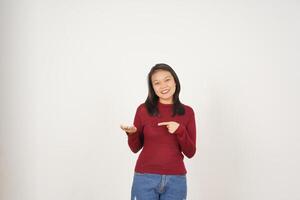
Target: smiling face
point(164, 86)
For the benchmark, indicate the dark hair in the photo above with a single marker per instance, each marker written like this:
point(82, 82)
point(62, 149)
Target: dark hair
point(152, 99)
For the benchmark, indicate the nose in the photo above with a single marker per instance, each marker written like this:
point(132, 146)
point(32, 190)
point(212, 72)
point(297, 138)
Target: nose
point(163, 88)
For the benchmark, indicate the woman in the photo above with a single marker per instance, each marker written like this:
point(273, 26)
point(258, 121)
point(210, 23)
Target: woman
point(165, 129)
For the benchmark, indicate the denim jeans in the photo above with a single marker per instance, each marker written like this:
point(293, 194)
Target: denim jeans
point(148, 186)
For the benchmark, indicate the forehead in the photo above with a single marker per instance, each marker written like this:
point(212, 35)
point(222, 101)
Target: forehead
point(160, 74)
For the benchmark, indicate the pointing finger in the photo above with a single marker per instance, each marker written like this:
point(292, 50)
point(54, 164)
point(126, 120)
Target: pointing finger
point(163, 123)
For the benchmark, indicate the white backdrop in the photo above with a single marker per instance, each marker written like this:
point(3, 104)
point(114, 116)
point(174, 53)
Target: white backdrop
point(72, 71)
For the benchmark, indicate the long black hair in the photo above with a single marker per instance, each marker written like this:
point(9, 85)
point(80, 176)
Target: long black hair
point(152, 99)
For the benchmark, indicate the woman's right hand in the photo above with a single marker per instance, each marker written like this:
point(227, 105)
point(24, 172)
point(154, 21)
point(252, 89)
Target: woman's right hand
point(128, 129)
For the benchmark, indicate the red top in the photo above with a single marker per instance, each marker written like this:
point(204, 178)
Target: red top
point(162, 151)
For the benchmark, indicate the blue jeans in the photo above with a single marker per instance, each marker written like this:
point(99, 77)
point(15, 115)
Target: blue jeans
point(148, 186)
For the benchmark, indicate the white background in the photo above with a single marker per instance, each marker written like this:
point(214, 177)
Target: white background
point(73, 71)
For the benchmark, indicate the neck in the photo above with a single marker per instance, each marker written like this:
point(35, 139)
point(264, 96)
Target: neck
point(166, 101)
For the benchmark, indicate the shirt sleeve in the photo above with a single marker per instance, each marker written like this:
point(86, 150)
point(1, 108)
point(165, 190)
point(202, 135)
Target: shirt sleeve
point(136, 140)
point(186, 136)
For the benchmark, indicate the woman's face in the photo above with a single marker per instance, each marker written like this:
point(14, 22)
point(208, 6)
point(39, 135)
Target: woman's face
point(164, 85)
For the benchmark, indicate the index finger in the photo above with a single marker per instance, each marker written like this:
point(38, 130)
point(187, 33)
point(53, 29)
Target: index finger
point(163, 123)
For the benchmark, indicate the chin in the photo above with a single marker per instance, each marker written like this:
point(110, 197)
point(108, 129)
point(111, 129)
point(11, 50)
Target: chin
point(166, 98)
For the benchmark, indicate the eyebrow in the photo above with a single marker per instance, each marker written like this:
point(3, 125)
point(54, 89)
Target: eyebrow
point(168, 76)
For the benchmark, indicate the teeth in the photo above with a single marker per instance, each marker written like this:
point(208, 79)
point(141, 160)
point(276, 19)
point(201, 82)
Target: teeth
point(165, 91)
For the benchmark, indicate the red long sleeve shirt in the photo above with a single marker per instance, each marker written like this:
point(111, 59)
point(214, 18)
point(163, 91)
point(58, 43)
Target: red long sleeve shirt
point(163, 152)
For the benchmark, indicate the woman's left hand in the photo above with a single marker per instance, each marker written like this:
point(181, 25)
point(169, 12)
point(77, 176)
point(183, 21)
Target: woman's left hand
point(171, 125)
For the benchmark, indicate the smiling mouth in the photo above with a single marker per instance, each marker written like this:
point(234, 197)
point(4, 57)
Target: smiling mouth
point(165, 91)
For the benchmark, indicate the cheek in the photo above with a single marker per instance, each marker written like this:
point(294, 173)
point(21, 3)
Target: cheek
point(174, 88)
point(173, 85)
point(155, 89)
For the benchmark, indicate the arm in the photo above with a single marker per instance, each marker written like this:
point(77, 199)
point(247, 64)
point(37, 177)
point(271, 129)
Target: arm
point(136, 140)
point(186, 136)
